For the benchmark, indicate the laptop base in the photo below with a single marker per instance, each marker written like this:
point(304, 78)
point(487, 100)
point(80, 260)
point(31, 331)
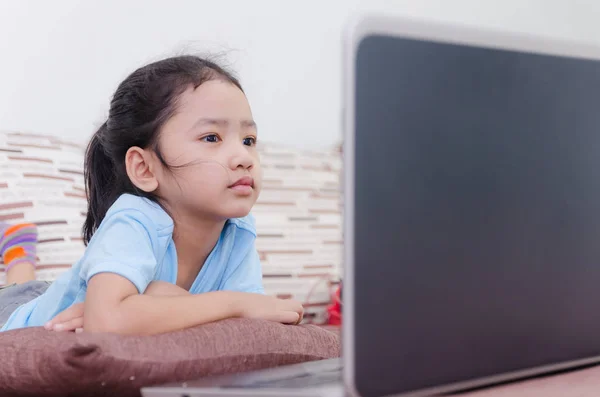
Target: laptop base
point(312, 379)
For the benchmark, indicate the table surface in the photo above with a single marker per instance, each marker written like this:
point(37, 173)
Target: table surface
point(578, 383)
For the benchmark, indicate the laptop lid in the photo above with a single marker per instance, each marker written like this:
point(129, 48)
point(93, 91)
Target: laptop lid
point(472, 207)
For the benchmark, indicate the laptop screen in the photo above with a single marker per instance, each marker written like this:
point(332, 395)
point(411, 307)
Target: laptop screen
point(476, 215)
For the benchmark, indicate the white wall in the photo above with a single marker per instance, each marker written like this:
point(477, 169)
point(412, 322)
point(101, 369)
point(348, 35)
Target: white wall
point(61, 60)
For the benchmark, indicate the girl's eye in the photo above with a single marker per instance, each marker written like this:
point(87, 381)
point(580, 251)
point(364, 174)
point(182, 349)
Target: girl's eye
point(213, 138)
point(249, 141)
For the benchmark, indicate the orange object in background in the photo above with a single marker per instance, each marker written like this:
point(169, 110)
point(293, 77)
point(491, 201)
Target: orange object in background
point(335, 309)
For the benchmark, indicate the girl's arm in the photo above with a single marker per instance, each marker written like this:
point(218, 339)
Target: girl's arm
point(71, 319)
point(114, 305)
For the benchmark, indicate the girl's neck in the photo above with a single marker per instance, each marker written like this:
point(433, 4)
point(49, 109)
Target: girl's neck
point(194, 239)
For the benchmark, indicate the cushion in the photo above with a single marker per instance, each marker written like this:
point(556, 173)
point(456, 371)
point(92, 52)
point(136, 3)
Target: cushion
point(36, 362)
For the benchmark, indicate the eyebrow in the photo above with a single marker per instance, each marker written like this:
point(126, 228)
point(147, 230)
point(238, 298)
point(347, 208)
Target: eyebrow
point(223, 122)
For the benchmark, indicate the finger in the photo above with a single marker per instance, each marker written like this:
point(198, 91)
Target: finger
point(71, 313)
point(296, 306)
point(70, 325)
point(300, 316)
point(287, 317)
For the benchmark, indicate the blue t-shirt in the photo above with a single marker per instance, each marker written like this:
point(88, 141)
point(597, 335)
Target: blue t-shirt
point(135, 240)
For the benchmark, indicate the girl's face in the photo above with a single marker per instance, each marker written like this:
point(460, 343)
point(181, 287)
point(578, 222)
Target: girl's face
point(210, 146)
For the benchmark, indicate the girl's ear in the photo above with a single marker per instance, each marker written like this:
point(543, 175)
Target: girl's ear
point(138, 163)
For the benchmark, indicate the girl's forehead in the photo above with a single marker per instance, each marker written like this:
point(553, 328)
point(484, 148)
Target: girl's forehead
point(215, 96)
point(214, 103)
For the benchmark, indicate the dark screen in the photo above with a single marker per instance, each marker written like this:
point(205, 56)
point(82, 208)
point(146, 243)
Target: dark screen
point(477, 212)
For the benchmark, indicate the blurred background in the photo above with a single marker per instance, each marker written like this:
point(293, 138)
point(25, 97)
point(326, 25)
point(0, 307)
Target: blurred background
point(61, 60)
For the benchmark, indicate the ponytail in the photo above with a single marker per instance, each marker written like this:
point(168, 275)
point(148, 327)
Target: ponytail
point(99, 183)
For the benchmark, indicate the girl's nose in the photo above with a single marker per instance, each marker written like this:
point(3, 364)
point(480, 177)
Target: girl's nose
point(241, 158)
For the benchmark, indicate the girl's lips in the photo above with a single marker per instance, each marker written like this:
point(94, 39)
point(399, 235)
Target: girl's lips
point(243, 186)
point(243, 181)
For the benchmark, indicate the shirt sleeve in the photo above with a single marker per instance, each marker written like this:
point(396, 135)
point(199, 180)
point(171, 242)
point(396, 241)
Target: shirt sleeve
point(123, 245)
point(247, 277)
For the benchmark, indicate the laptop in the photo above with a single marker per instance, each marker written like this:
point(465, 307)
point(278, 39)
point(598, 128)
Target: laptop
point(472, 216)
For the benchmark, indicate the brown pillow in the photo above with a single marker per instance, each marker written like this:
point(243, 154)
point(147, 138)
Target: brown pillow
point(36, 362)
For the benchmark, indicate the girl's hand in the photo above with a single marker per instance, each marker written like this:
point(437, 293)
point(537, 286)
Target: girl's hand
point(70, 319)
point(266, 307)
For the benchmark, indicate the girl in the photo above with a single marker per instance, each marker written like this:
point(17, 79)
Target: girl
point(171, 177)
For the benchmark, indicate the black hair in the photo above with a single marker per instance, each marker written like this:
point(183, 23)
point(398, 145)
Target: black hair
point(139, 108)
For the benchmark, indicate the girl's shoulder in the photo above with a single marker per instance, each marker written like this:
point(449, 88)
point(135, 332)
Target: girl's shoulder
point(141, 209)
point(127, 224)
